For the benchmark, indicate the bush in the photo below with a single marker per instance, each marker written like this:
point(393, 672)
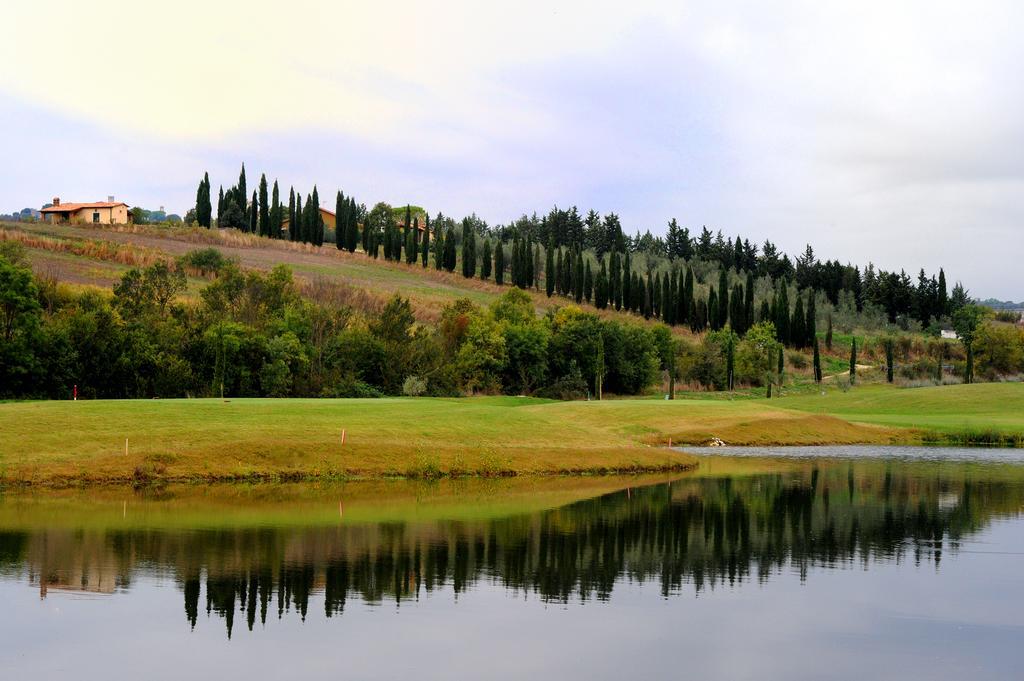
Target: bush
point(414, 386)
point(796, 360)
point(204, 260)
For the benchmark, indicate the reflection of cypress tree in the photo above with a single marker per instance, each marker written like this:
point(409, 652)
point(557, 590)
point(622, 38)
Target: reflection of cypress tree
point(192, 588)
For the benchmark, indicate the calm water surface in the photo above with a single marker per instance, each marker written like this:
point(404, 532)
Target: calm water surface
point(760, 567)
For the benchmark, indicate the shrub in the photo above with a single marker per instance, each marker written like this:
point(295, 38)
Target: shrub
point(414, 386)
point(796, 360)
point(204, 260)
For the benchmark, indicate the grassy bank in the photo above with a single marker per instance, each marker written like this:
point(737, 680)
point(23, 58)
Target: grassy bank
point(977, 414)
point(266, 439)
point(204, 440)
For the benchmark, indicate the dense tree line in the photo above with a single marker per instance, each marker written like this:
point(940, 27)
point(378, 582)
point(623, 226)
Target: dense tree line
point(705, 280)
point(254, 334)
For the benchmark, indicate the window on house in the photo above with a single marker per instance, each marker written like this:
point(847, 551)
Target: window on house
point(96, 216)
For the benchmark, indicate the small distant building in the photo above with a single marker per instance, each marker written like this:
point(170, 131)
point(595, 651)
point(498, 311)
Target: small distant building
point(948, 334)
point(107, 212)
point(330, 220)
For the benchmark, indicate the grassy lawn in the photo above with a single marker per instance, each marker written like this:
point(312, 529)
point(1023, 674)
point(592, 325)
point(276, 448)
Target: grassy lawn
point(950, 410)
point(62, 441)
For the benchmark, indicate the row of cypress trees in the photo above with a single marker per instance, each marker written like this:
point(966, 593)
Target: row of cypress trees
point(667, 296)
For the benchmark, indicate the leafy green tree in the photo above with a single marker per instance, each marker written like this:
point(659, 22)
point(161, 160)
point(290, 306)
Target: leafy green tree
point(966, 322)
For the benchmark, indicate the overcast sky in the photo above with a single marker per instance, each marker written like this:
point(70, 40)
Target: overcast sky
point(877, 131)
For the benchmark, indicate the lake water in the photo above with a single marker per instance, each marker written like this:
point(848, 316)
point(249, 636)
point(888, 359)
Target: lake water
point(755, 567)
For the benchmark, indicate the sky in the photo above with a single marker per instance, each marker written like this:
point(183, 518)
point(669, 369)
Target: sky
point(878, 132)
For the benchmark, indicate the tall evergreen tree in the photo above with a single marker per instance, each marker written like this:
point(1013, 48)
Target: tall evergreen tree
point(687, 304)
point(713, 320)
point(828, 335)
point(797, 331)
point(588, 284)
point(889, 360)
point(242, 192)
point(275, 213)
point(578, 277)
point(601, 287)
point(203, 207)
point(723, 297)
point(615, 280)
point(817, 362)
point(450, 255)
point(549, 268)
point(425, 244)
point(627, 279)
point(411, 249)
point(253, 214)
point(748, 301)
point(220, 206)
point(293, 213)
point(485, 263)
point(264, 221)
point(318, 220)
point(340, 221)
point(468, 249)
point(810, 320)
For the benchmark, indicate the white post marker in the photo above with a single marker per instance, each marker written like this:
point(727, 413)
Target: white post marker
point(342, 436)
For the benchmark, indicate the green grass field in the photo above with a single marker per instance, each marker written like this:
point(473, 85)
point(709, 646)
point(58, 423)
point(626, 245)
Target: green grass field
point(62, 441)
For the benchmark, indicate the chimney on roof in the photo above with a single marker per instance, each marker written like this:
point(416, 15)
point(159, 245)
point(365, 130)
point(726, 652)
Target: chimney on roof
point(110, 199)
point(56, 200)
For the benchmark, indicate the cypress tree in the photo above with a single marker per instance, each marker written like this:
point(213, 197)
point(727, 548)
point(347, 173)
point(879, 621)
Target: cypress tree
point(797, 331)
point(408, 221)
point(817, 362)
point(549, 268)
point(499, 264)
point(220, 205)
point(766, 311)
point(810, 321)
point(411, 251)
point(828, 335)
point(294, 226)
point(782, 364)
point(242, 193)
point(889, 360)
point(292, 215)
point(485, 265)
point(254, 210)
point(264, 221)
point(588, 284)
point(425, 245)
point(723, 297)
point(713, 309)
point(439, 246)
point(748, 301)
point(643, 301)
point(203, 208)
point(450, 256)
point(688, 304)
point(558, 271)
point(528, 258)
point(657, 300)
point(601, 287)
point(730, 361)
point(275, 213)
point(615, 280)
point(318, 220)
point(782, 314)
point(580, 285)
point(341, 235)
point(853, 360)
point(627, 281)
